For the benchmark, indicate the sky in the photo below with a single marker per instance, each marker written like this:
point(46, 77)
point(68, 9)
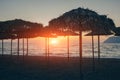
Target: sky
point(42, 11)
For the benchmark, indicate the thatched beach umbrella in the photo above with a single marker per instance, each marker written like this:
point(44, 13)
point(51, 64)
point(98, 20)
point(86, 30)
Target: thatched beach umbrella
point(93, 33)
point(80, 20)
point(68, 34)
point(2, 38)
point(75, 20)
point(117, 31)
point(104, 26)
point(12, 37)
point(47, 33)
point(17, 27)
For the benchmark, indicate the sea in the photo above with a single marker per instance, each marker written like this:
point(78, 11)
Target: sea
point(36, 47)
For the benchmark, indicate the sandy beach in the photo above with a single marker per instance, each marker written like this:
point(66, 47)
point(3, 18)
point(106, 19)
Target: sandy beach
point(57, 68)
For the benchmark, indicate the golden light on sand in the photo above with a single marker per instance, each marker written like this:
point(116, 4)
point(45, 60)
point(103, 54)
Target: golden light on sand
point(54, 41)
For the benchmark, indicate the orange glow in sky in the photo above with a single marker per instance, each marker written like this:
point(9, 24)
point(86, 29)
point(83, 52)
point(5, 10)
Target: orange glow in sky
point(54, 41)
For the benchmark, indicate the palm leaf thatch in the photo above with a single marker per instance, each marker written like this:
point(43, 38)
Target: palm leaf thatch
point(83, 20)
point(102, 32)
point(117, 31)
point(20, 28)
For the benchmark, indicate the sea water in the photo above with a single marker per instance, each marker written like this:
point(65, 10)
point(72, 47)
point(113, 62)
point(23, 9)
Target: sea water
point(36, 47)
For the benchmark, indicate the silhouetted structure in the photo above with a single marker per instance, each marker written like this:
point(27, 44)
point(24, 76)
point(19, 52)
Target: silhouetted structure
point(17, 29)
point(79, 20)
point(71, 23)
point(117, 31)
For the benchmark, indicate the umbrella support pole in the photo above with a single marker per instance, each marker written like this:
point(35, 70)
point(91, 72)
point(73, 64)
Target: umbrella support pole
point(80, 54)
point(23, 48)
point(11, 46)
point(48, 47)
point(68, 48)
point(18, 47)
point(27, 47)
point(80, 46)
point(2, 47)
point(98, 48)
point(93, 60)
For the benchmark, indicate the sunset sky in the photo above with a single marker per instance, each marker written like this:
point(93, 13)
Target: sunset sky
point(44, 10)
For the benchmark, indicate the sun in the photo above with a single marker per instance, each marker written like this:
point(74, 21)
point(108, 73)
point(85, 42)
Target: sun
point(54, 41)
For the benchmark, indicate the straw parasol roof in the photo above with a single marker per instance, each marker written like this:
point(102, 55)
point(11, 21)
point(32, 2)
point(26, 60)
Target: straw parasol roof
point(117, 31)
point(20, 28)
point(83, 20)
point(98, 33)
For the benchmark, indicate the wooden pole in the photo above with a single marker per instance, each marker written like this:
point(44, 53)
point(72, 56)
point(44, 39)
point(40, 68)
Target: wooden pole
point(23, 47)
point(18, 47)
point(93, 61)
point(68, 48)
point(47, 58)
point(11, 46)
point(80, 54)
point(93, 46)
point(2, 47)
point(98, 47)
point(80, 46)
point(27, 47)
point(23, 50)
point(48, 47)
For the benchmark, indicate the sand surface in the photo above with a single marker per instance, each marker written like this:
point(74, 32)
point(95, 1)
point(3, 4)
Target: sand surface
point(57, 68)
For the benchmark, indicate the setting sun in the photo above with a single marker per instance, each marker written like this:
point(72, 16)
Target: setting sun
point(54, 41)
